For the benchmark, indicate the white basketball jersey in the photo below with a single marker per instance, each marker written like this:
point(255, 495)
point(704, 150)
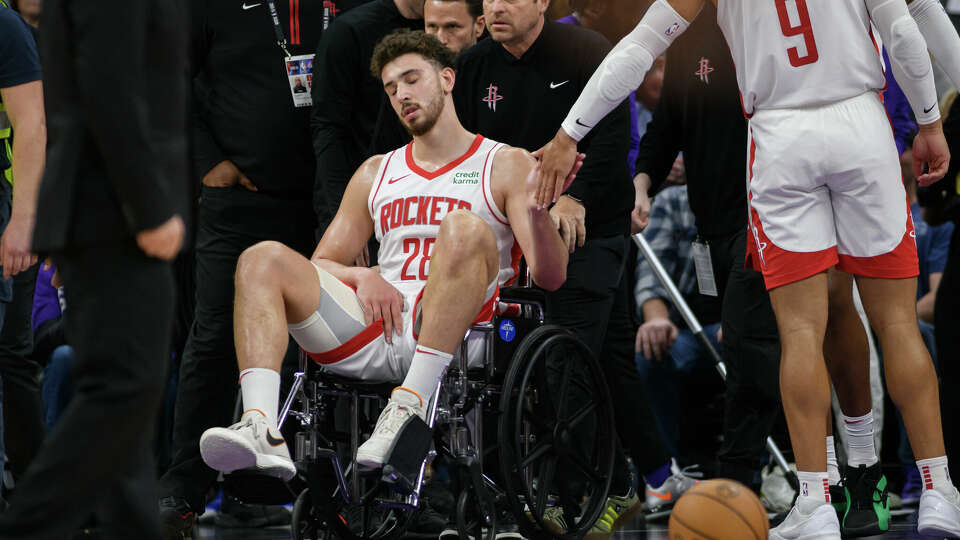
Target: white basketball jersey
point(408, 203)
point(800, 53)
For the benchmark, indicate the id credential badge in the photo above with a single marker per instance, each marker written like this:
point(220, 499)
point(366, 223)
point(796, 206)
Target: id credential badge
point(704, 264)
point(300, 76)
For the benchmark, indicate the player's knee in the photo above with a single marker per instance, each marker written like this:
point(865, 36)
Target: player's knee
point(261, 262)
point(463, 232)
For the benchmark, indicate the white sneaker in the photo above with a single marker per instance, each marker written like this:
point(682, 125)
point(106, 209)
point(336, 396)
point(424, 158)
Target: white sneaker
point(402, 405)
point(248, 444)
point(938, 515)
point(822, 524)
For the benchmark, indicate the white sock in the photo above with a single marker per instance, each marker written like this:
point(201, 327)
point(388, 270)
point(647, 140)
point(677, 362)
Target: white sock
point(833, 468)
point(860, 448)
point(814, 491)
point(426, 369)
point(260, 388)
point(936, 475)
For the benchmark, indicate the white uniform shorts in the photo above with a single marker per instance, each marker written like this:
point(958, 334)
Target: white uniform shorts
point(825, 189)
point(336, 337)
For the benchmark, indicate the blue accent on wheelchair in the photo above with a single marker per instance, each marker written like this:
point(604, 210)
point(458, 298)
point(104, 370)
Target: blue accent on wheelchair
point(508, 331)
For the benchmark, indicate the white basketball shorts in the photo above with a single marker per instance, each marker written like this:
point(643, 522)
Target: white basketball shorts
point(825, 189)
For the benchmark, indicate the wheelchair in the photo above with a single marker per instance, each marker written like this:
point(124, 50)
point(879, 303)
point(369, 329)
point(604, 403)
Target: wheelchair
point(530, 432)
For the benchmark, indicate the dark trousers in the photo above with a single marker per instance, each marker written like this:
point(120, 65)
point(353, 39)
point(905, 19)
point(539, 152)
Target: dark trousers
point(22, 402)
point(230, 220)
point(595, 303)
point(947, 322)
point(97, 460)
point(751, 351)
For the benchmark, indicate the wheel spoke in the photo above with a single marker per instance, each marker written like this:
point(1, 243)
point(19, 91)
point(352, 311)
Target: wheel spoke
point(564, 386)
point(544, 482)
point(538, 452)
point(581, 414)
point(586, 469)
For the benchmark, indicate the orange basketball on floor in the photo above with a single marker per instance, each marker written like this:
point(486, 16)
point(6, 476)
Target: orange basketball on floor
point(719, 509)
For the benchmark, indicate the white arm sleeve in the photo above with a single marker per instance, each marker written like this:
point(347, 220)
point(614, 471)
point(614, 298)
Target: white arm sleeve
point(942, 39)
point(908, 56)
point(624, 68)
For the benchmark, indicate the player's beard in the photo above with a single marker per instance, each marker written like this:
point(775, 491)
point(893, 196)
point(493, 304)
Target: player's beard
point(429, 114)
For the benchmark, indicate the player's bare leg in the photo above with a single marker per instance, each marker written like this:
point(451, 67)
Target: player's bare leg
point(912, 382)
point(274, 285)
point(801, 311)
point(910, 377)
point(462, 265)
point(861, 502)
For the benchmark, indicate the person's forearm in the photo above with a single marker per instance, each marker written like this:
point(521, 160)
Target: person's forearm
point(29, 151)
point(641, 182)
point(622, 71)
point(655, 308)
point(350, 275)
point(550, 255)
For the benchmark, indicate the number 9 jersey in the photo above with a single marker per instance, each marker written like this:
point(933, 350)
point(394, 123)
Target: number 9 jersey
point(800, 53)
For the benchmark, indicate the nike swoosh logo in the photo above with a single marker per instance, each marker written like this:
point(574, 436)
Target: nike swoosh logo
point(557, 85)
point(667, 497)
point(274, 441)
point(392, 180)
point(925, 111)
point(250, 6)
point(579, 123)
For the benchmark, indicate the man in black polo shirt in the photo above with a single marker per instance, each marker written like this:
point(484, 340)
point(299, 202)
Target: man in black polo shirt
point(251, 152)
point(516, 88)
point(351, 117)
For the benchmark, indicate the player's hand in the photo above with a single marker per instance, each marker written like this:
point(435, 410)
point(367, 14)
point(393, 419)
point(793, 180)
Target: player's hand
point(570, 216)
point(380, 300)
point(930, 149)
point(15, 254)
point(533, 179)
point(655, 337)
point(162, 242)
point(640, 217)
point(226, 174)
point(556, 169)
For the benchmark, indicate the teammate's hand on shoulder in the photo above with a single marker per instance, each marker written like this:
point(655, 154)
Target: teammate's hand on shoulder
point(655, 337)
point(162, 242)
point(557, 168)
point(569, 216)
point(930, 148)
point(226, 174)
point(380, 300)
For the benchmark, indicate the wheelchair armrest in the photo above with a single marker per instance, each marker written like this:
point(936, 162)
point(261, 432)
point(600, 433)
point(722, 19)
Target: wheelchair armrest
point(522, 295)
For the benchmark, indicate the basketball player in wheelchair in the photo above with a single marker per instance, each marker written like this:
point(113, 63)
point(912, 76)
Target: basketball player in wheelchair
point(452, 212)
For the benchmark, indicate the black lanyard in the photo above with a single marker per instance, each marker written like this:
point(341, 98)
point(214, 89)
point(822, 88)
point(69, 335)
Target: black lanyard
point(281, 38)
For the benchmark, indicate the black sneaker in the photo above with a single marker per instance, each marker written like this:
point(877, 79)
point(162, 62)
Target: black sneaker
point(868, 510)
point(237, 515)
point(838, 498)
point(427, 521)
point(177, 519)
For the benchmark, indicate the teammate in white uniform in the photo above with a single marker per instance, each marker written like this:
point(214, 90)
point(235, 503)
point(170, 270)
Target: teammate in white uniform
point(451, 211)
point(825, 191)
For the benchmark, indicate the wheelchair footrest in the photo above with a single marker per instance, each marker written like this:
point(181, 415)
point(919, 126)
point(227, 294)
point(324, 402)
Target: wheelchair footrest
point(402, 467)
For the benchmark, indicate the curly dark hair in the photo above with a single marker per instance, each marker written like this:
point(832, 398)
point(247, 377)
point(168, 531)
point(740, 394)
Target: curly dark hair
point(405, 41)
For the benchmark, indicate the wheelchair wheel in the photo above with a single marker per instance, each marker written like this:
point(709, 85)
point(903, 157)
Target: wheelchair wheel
point(557, 435)
point(305, 522)
point(470, 523)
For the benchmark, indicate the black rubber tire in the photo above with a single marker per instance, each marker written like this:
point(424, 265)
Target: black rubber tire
point(528, 367)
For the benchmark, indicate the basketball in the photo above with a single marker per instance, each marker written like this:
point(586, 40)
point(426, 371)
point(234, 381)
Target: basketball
point(719, 510)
